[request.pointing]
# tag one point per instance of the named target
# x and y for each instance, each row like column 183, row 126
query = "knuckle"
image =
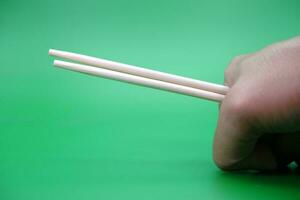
column 235, row 63
column 227, row 73
column 238, row 105
column 242, row 107
column 234, row 59
column 237, row 59
column 232, row 64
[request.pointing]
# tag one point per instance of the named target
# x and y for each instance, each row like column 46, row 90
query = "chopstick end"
column 51, row 52
column 57, row 63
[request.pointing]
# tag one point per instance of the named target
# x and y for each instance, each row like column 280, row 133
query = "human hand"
column 259, row 120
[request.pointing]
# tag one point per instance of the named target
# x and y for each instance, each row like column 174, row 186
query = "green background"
column 65, row 135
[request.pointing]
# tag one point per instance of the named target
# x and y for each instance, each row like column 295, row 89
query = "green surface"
column 65, row 135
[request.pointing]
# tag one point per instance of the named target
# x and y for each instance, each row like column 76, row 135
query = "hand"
column 259, row 121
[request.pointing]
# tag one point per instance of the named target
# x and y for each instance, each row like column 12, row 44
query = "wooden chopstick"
column 138, row 71
column 139, row 80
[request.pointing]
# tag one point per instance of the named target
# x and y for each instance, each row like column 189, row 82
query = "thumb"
column 236, row 143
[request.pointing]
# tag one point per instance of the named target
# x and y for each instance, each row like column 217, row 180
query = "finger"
column 236, row 144
column 230, row 72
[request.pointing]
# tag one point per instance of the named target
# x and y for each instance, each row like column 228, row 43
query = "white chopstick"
column 140, row 80
column 138, row 71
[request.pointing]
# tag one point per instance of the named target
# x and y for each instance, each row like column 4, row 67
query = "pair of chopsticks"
column 140, row 76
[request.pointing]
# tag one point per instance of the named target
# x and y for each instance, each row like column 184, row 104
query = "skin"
column 259, row 120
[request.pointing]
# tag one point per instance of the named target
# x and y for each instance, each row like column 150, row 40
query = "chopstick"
column 138, row 71
column 140, row 80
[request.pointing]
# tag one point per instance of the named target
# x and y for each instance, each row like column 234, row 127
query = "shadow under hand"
column 282, row 184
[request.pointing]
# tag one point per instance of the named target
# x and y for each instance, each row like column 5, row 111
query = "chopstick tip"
column 56, row 62
column 51, row 52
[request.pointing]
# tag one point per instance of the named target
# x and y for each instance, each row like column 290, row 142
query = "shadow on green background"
column 66, row 135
